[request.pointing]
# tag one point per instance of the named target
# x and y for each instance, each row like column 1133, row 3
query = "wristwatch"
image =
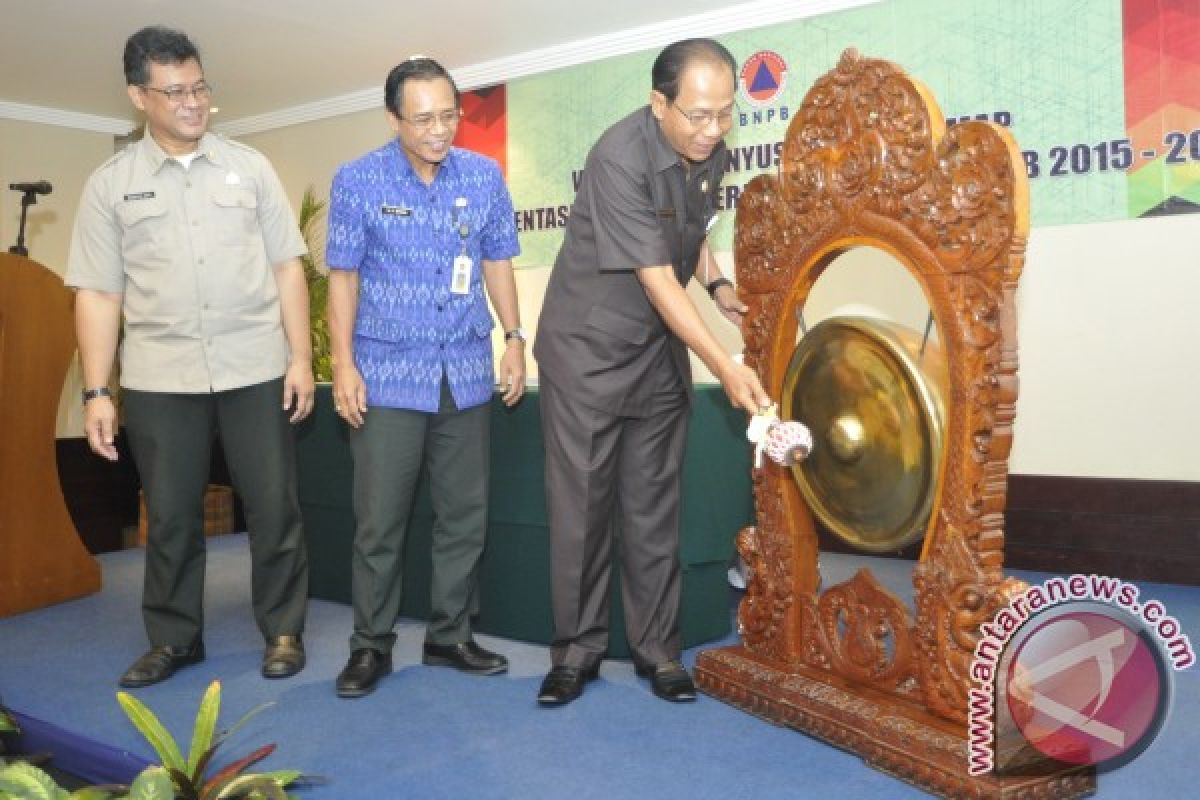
column 516, row 333
column 89, row 394
column 717, row 284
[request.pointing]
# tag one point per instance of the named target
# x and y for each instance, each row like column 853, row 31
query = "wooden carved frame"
column 868, row 161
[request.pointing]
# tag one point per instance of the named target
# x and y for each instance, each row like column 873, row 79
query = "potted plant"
column 317, row 276
column 176, row 777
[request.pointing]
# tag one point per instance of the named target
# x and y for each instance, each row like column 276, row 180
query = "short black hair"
column 416, row 68
column 675, row 58
column 158, row 44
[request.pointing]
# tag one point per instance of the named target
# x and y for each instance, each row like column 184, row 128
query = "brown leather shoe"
column 159, row 663
column 283, row 657
column 670, row 681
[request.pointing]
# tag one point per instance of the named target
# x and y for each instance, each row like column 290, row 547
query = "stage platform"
column 435, row 733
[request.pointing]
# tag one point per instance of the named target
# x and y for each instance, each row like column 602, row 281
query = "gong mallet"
column 786, row 442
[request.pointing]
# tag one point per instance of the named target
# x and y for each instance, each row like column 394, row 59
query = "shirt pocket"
column 235, row 215
column 627, row 329
column 144, row 230
column 398, row 234
column 482, row 324
column 616, row 341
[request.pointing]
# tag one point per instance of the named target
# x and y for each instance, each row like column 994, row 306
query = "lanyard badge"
column 460, row 276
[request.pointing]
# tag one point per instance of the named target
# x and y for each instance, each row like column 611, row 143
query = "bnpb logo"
column 762, row 78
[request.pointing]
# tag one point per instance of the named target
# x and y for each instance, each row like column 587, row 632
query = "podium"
column 42, row 560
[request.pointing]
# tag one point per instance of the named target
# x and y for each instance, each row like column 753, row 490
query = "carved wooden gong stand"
column 868, row 161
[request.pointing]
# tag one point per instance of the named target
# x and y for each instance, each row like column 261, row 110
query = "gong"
column 871, row 392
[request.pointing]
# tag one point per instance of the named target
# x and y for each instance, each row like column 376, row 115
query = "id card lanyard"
column 460, row 277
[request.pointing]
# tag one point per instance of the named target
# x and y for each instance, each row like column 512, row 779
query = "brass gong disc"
column 876, row 415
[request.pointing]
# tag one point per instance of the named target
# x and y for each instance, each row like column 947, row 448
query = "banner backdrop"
column 1103, row 97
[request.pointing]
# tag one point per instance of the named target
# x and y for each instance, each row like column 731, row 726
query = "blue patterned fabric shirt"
column 403, row 236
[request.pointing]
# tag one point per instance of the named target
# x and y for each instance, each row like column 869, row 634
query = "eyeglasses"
column 201, row 93
column 424, row 122
column 702, row 119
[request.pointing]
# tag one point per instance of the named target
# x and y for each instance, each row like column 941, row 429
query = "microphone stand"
column 28, row 199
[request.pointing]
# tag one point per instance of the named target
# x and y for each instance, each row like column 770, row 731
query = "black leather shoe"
column 283, row 657
column 564, row 684
column 159, row 663
column 362, row 672
column 468, row 657
column 670, row 681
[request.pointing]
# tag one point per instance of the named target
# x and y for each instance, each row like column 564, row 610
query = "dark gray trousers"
column 171, row 439
column 388, row 452
column 605, row 472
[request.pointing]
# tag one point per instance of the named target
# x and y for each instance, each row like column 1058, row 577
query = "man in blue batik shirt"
column 417, row 230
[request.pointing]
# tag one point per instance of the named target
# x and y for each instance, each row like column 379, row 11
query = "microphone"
column 39, row 187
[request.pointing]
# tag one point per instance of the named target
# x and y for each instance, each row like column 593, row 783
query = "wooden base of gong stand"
column 908, row 743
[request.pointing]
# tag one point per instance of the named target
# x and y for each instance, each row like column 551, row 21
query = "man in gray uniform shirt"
column 615, row 378
column 190, row 238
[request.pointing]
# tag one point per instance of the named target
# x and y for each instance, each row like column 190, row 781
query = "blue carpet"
column 436, row 733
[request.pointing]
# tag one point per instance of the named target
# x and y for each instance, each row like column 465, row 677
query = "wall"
column 1103, row 315
column 1104, row 312
column 1105, row 328
column 309, row 155
column 1108, row 344
column 1105, row 309
column 1107, row 337
column 65, row 157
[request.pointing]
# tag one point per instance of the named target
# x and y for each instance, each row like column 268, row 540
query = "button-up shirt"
column 192, row 251
column 403, row 236
column 599, row 338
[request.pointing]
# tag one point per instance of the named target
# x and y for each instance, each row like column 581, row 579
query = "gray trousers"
column 171, row 439
column 388, row 452
column 604, row 473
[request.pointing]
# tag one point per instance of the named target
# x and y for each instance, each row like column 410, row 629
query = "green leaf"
column 153, row 784
column 27, row 782
column 184, row 788
column 236, row 768
column 254, row 712
column 206, row 723
column 318, row 286
column 90, row 793
column 7, row 723
column 202, row 764
column 259, row 786
column 283, row 777
column 148, row 725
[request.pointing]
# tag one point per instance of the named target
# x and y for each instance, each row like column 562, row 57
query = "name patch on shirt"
column 139, row 196
column 396, row 211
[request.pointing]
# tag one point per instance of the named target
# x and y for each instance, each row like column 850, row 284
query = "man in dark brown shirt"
column 615, row 378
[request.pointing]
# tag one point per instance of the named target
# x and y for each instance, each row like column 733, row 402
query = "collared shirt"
column 192, row 252
column 403, row 236
column 599, row 338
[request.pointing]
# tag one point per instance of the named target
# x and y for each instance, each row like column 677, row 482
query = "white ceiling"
column 60, row 60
